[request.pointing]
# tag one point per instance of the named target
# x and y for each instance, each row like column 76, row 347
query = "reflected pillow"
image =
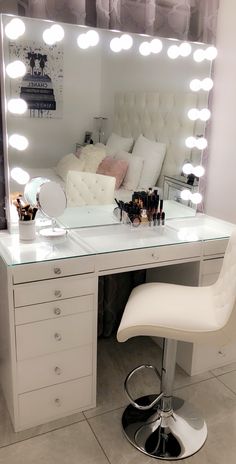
column 116, row 143
column 92, row 155
column 153, row 154
column 68, row 163
column 113, row 167
column 135, row 167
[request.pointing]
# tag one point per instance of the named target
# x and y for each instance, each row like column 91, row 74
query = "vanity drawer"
column 50, row 403
column 215, row 247
column 53, row 309
column 53, row 269
column 54, row 335
column 147, row 256
column 51, row 290
column 55, row 368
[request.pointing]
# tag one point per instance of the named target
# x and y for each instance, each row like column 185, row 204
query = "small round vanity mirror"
column 32, row 187
column 51, row 199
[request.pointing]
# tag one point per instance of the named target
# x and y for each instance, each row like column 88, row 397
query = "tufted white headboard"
column 158, row 116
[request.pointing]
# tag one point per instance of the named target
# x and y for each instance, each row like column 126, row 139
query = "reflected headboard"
column 158, row 116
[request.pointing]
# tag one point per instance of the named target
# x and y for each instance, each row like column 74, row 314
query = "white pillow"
column 153, row 154
column 133, row 174
column 68, row 163
column 117, row 143
column 92, row 155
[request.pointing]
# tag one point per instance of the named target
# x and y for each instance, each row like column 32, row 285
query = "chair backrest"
column 224, row 289
column 88, row 188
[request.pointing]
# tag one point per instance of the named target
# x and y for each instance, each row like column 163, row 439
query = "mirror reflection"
column 104, row 114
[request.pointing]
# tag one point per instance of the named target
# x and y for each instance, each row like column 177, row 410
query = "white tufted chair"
column 88, row 188
column 163, row 426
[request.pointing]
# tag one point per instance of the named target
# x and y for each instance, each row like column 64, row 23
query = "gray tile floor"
column 95, row 437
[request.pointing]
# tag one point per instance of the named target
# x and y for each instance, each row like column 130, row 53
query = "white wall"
column 220, row 198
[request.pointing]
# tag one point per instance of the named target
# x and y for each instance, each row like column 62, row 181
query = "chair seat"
column 170, row 311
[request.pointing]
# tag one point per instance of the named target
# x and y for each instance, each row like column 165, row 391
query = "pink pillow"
column 113, row 167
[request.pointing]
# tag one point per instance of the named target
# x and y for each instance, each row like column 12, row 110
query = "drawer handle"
column 57, row 270
column 57, row 370
column 57, row 311
column 155, row 256
column 57, row 293
column 57, row 401
column 58, row 337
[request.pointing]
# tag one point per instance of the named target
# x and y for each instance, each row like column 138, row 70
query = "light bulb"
column 199, row 55
column 20, row 142
column 185, row 194
column 187, row 168
column 145, row 48
column 20, row 176
column 126, row 41
column 58, row 32
column 93, row 38
column 156, row 45
column 83, row 41
column 207, row 84
column 49, row 37
column 196, row 198
column 17, row 106
column 204, row 114
column 211, row 53
column 199, row 171
column 115, row 45
column 195, row 85
column 16, row 69
column 190, row 142
column 173, row 52
column 15, row 28
column 201, row 143
column 193, row 114
column 185, row 49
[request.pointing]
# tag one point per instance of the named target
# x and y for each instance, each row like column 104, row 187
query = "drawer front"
column 50, row 336
column 148, row 256
column 214, row 247
column 211, row 266
column 50, row 403
column 54, row 309
column 53, row 269
column 55, row 368
column 51, row 290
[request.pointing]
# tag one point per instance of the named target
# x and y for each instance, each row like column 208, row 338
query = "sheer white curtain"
column 71, row 11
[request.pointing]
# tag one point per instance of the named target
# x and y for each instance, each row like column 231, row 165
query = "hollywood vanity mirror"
column 147, row 99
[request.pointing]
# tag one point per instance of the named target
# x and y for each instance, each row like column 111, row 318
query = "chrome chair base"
column 182, row 433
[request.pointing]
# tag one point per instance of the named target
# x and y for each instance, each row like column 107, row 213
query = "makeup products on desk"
column 26, row 215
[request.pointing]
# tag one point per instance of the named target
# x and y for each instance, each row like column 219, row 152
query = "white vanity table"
column 48, row 313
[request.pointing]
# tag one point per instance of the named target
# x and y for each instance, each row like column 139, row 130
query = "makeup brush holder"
column 27, row 230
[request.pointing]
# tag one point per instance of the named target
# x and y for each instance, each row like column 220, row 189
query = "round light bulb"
column 83, row 41
column 17, row 106
column 93, row 38
column 16, row 69
column 199, row 55
column 126, row 41
column 115, row 45
column 204, row 114
column 58, row 32
column 49, row 37
column 193, row 114
column 196, row 198
column 185, row 49
column 199, row 171
column 187, row 168
column 145, row 48
column 20, row 142
column 201, row 143
column 207, row 84
column 20, row 176
column 173, row 52
column 15, row 28
column 195, row 85
column 156, row 45
column 185, row 194
column 211, row 53
column 190, row 142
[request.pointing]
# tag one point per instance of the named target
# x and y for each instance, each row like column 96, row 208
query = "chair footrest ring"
column 132, row 401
